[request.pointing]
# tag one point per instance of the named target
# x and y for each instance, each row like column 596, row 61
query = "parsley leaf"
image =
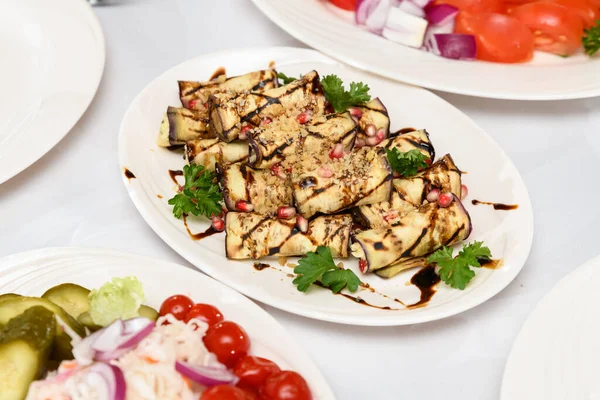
column 408, row 163
column 591, row 39
column 285, row 79
column 319, row 266
column 200, row 194
column 339, row 98
column 456, row 271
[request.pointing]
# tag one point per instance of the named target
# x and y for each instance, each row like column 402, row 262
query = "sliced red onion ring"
column 411, row 8
column 405, row 28
column 364, row 8
column 378, row 16
column 207, row 376
column 84, row 351
column 441, row 14
column 429, row 42
column 107, row 380
column 453, row 45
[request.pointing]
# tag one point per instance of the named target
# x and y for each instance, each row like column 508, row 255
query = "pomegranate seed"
column 218, row 224
column 390, row 215
column 433, row 195
column 244, row 206
column 284, row 212
column 428, row 161
column 380, row 135
column 302, row 223
column 192, row 103
column 445, row 199
column 278, row 171
column 337, row 151
column 206, row 105
column 325, row 172
column 245, row 128
column 302, row 118
column 371, row 130
column 373, row 141
column 464, row 192
column 355, row 112
column 363, row 266
column 267, row 121
column 360, row 143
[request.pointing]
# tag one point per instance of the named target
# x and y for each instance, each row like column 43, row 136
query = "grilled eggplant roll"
column 362, row 177
column 285, row 137
column 373, row 113
column 419, row 233
column 401, row 265
column 208, row 152
column 195, row 95
column 261, row 188
column 228, row 112
column 251, row 235
column 180, row 125
column 418, row 139
column 411, row 193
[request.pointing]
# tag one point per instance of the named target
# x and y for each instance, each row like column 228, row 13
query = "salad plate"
column 33, row 273
column 553, row 356
column 333, row 31
column 150, row 172
column 56, row 63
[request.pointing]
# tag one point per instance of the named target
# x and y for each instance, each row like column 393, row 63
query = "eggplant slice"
column 208, row 152
column 410, row 193
column 228, row 112
column 180, row 125
column 265, row 191
column 285, row 139
column 419, row 233
column 251, row 235
column 198, row 92
column 376, row 114
column 401, row 265
column 362, row 177
column 418, row 139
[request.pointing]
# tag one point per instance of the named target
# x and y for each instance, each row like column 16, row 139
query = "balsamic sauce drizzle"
column 128, row 174
column 497, row 206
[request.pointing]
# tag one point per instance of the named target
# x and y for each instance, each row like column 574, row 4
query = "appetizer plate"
column 490, row 176
column 555, row 355
column 332, row 31
column 56, row 61
column 32, row 273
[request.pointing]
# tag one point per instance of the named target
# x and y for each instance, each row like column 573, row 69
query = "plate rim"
column 31, row 158
column 406, row 79
column 164, row 232
column 66, row 252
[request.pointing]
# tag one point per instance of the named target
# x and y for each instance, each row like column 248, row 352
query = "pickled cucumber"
column 8, row 296
column 70, row 297
column 148, row 312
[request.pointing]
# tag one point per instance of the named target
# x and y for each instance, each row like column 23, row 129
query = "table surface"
column 74, row 196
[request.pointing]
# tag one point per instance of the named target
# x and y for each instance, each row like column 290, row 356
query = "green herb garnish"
column 200, row 194
column 407, row 163
column 320, row 266
column 285, row 79
column 339, row 98
column 456, row 271
column 591, row 39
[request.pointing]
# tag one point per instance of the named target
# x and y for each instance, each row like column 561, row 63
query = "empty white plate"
column 555, row 356
column 52, row 63
column 491, row 176
column 332, row 31
column 33, row 272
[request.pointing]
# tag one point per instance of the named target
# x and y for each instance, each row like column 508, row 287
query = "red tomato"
column 588, row 13
column 178, row 305
column 253, row 371
column 345, row 4
column 285, row 385
column 207, row 313
column 499, row 38
column 556, row 28
column 475, row 6
column 227, row 392
column 228, row 341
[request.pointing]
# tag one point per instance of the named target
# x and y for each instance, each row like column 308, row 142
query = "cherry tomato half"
column 178, row 305
column 285, row 385
column 500, row 38
column 228, row 341
column 253, row 371
column 205, row 312
column 349, row 5
column 587, row 12
column 475, row 6
column 557, row 29
column 227, row 392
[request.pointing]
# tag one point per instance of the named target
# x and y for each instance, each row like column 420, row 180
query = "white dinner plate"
column 32, row 273
column 52, row 62
column 332, row 31
column 491, row 176
column 555, row 356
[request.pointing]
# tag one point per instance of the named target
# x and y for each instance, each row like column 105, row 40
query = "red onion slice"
column 432, row 30
column 135, row 330
column 378, row 16
column 454, row 45
column 364, row 8
column 404, row 28
column 441, row 14
column 107, row 380
column 420, row 3
column 411, row 8
column 207, row 376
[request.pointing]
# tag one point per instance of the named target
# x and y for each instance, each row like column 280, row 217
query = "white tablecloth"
column 74, row 196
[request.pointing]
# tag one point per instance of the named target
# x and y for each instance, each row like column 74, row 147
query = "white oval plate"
column 332, row 31
column 32, row 273
column 555, row 356
column 491, row 176
column 56, row 61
